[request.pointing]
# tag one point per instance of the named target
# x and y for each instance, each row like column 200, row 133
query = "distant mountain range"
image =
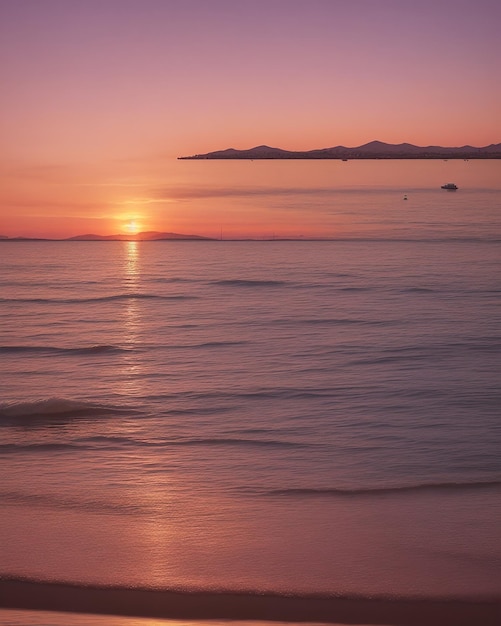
column 372, row 150
column 147, row 236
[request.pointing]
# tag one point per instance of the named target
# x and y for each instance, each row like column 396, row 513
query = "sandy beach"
column 49, row 596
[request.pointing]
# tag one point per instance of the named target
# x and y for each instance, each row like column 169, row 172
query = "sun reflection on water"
column 131, row 283
column 132, row 320
column 131, row 264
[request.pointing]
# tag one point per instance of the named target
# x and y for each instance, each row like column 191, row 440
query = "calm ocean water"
column 259, row 416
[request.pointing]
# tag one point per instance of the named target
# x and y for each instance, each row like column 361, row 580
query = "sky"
column 99, row 97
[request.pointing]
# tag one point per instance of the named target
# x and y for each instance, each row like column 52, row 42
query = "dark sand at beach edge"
column 209, row 605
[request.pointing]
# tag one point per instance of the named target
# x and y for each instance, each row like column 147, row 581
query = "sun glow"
column 132, row 227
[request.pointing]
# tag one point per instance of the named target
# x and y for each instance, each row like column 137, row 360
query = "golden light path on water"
column 131, row 318
column 156, row 531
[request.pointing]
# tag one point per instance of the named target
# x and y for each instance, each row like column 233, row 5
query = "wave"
column 118, row 296
column 363, row 491
column 203, row 441
column 49, row 501
column 331, row 321
column 111, row 349
column 285, row 393
column 5, row 448
column 110, row 442
column 417, row 290
column 219, row 344
column 237, row 441
column 31, row 594
column 97, row 349
column 340, row 321
column 59, row 408
column 240, row 282
column 199, row 346
column 174, row 279
column 138, row 296
column 489, row 345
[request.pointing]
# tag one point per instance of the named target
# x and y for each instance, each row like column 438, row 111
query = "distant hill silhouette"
column 371, row 150
column 147, row 236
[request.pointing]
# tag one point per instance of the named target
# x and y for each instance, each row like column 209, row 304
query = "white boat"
column 449, row 187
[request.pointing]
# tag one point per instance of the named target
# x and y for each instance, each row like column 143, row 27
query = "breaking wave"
column 442, row 486
column 59, row 407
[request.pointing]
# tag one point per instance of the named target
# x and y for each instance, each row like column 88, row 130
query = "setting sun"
column 132, row 227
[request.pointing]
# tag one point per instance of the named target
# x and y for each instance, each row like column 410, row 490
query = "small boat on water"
column 449, row 186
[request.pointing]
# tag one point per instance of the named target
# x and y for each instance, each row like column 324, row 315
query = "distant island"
column 146, row 236
column 372, row 150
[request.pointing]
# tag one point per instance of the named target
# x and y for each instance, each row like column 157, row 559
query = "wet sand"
column 25, row 594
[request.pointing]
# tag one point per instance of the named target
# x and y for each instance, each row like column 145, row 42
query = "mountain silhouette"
column 371, row 150
column 145, row 236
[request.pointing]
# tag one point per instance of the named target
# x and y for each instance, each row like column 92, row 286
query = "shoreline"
column 440, row 157
column 29, row 594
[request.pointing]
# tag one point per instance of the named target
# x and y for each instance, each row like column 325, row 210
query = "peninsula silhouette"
column 372, row 150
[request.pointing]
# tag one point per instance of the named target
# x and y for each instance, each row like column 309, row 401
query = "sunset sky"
column 99, row 97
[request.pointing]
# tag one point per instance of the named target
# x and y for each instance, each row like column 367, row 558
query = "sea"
column 271, row 418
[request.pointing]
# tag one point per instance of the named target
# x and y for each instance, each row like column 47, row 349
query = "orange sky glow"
column 99, row 98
